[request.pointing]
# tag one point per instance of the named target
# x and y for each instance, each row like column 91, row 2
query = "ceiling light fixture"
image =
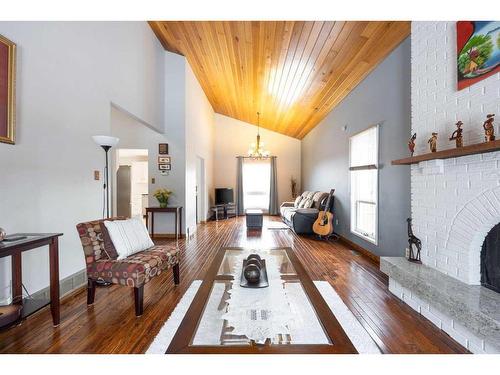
column 256, row 150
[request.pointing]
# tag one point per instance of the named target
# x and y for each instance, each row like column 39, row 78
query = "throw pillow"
column 297, row 201
column 302, row 203
column 309, row 203
column 128, row 236
column 109, row 248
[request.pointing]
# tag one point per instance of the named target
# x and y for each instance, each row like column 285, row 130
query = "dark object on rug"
column 413, row 240
column 9, row 314
column 254, row 272
column 254, row 219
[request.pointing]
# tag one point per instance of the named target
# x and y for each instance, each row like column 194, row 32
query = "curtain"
column 273, row 196
column 239, row 186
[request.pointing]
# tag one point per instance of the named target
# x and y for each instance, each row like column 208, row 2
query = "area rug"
column 352, row 327
column 276, row 225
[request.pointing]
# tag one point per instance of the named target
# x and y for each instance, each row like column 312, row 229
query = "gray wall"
column 383, row 97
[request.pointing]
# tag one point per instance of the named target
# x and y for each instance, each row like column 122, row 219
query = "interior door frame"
column 201, row 193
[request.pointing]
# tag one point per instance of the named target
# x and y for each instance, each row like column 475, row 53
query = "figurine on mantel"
column 489, row 129
column 457, row 135
column 433, row 142
column 413, row 241
column 411, row 143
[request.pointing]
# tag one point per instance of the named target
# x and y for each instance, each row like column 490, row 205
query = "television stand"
column 224, row 211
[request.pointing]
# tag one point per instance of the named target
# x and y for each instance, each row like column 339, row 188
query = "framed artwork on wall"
column 164, row 167
column 7, row 90
column 478, row 51
column 163, row 148
column 164, row 159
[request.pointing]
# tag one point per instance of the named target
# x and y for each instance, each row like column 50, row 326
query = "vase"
column 163, row 204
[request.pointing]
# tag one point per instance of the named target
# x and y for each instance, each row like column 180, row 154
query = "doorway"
column 200, row 190
column 131, row 182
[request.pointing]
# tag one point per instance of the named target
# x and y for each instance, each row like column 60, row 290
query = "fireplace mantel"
column 478, row 148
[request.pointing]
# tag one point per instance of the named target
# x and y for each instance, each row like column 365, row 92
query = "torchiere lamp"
column 106, row 142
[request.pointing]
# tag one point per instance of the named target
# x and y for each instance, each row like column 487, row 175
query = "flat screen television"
column 224, row 196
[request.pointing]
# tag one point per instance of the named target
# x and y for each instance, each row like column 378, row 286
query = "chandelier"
column 256, row 150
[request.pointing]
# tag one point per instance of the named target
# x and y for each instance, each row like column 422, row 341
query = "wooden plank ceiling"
column 292, row 72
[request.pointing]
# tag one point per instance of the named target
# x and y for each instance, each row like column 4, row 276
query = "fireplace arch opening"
column 490, row 260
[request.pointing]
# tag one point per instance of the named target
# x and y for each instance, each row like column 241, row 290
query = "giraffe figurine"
column 413, row 241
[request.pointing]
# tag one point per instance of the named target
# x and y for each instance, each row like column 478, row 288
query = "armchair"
column 134, row 271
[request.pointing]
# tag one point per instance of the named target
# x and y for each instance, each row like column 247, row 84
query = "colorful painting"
column 478, row 51
column 7, row 90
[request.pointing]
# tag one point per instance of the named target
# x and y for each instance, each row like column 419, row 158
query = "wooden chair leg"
column 176, row 271
column 90, row 291
column 139, row 299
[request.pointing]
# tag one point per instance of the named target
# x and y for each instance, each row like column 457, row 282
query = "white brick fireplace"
column 454, row 202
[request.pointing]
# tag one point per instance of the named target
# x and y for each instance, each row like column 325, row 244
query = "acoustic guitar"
column 323, row 226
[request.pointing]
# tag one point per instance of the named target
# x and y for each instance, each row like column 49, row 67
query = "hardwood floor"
column 110, row 325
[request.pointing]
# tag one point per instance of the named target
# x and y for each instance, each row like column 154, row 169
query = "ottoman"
column 254, row 219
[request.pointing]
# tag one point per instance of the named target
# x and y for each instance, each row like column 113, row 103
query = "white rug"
column 276, row 225
column 352, row 327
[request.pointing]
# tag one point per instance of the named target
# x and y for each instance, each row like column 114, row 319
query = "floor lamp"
column 106, row 142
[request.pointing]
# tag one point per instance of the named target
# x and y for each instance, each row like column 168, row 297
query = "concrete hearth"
column 468, row 313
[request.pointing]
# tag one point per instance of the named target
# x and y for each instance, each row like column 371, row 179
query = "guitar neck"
column 327, row 206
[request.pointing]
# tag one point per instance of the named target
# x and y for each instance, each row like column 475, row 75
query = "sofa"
column 301, row 214
column 134, row 271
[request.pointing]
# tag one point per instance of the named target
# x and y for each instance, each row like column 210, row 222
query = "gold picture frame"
column 8, row 98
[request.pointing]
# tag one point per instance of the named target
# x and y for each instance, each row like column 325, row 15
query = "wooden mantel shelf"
column 479, row 148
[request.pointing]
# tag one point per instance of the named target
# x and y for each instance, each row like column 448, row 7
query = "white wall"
column 68, row 74
column 383, row 98
column 78, row 79
column 200, row 131
column 136, row 135
column 233, row 137
column 453, row 208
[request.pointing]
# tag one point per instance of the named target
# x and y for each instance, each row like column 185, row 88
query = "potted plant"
column 162, row 195
column 293, row 186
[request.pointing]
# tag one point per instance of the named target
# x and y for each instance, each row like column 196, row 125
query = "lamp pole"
column 106, row 142
column 106, row 179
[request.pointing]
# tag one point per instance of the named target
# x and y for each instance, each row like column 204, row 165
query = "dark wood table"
column 177, row 210
column 15, row 249
column 221, row 271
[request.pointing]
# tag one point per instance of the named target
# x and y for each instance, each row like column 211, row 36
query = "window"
column 256, row 183
column 364, row 184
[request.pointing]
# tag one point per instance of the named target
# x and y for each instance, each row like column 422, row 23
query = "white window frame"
column 365, row 167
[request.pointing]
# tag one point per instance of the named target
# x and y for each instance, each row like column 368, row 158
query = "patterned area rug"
column 352, row 327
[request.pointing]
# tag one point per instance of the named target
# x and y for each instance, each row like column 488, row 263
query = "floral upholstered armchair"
column 134, row 271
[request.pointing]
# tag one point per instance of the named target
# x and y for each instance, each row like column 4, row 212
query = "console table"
column 15, row 249
column 177, row 210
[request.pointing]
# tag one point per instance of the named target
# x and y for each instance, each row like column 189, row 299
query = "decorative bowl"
column 252, row 273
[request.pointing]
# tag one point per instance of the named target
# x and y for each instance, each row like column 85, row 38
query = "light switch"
column 153, row 180
column 97, row 175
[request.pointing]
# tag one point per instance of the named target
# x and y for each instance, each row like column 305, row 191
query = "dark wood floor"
column 110, row 326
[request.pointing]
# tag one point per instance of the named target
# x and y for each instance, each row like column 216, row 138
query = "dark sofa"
column 301, row 214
